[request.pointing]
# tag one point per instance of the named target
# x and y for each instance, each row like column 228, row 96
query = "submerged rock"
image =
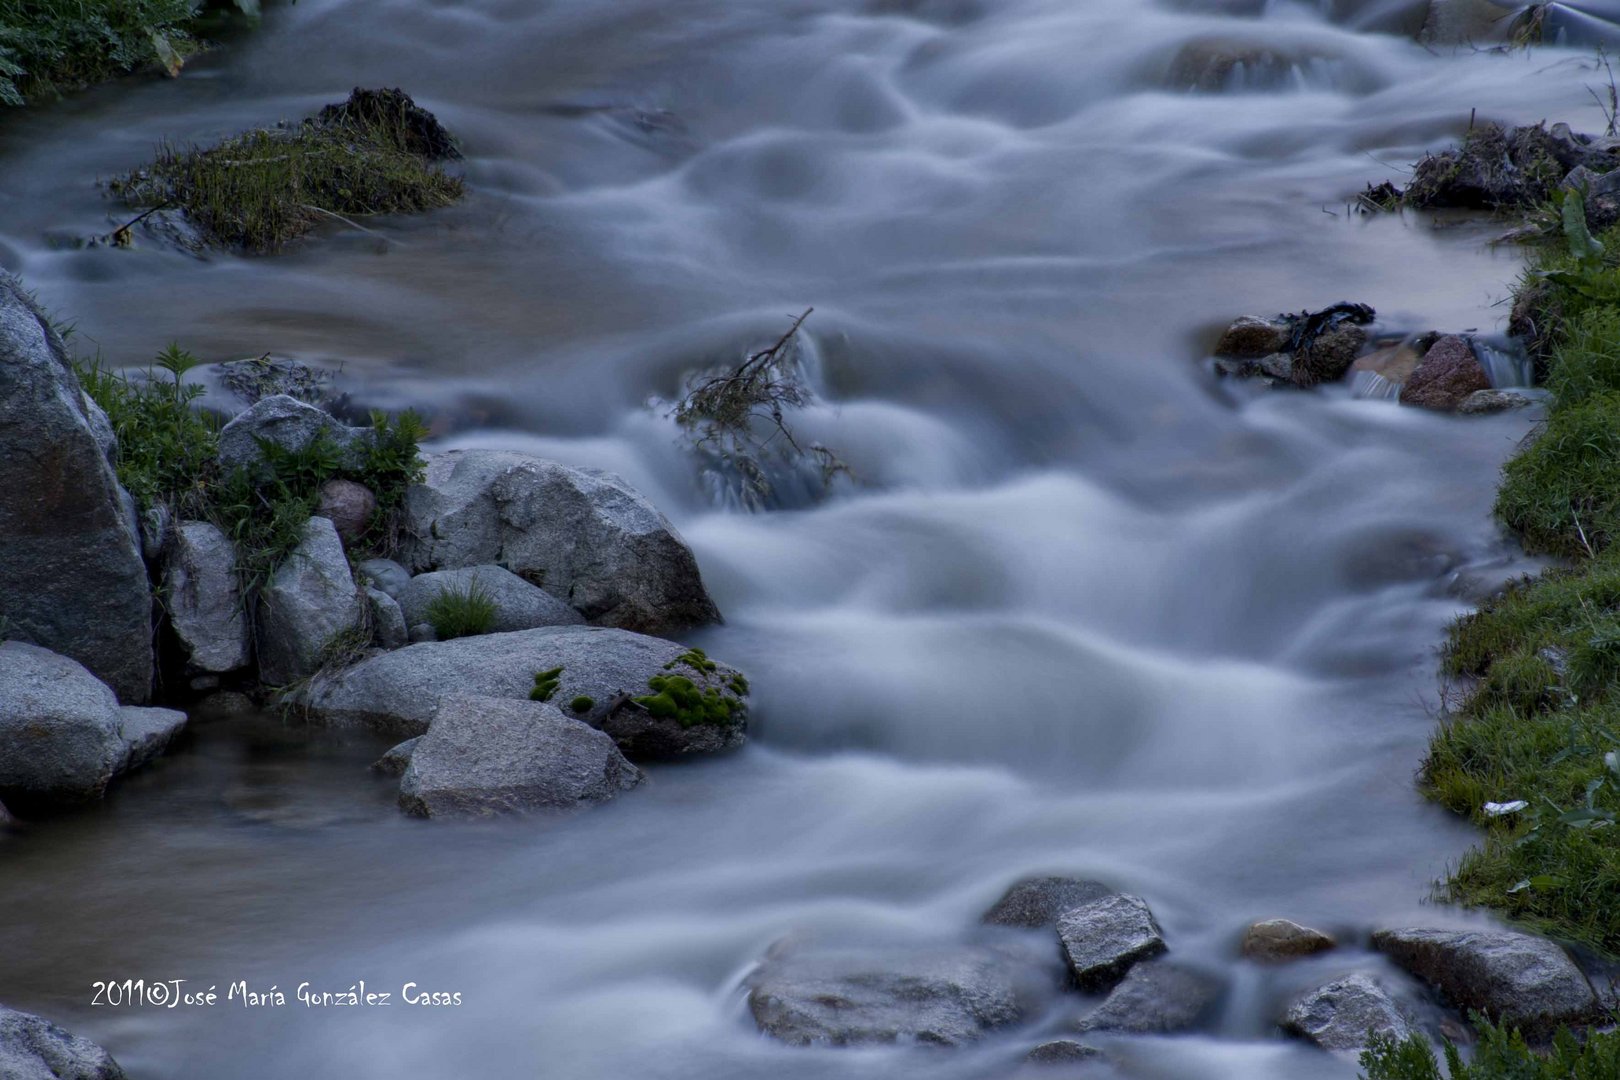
column 1102, row 939
column 944, row 996
column 597, row 674
column 63, row 735
column 1156, row 997
column 1482, row 402
column 1280, row 939
column 33, row 1048
column 73, row 578
column 260, row 377
column 1062, row 1052
column 1037, row 902
column 1447, row 376
column 1250, row 337
column 518, row 605
column 1347, row 1013
column 308, row 604
column 204, row 599
column 584, row 536
column 1516, row 979
column 485, row 756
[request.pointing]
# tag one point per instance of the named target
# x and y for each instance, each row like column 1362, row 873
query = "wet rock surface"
column 1282, row 939
column 1448, row 375
column 1037, row 902
column 1102, row 939
column 1156, row 997
column 1347, row 1013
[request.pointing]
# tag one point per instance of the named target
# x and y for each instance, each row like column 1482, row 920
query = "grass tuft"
column 462, row 612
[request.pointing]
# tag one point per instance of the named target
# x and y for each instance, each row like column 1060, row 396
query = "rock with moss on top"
column 593, row 674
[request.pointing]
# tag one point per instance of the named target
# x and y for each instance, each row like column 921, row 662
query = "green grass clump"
column 545, row 685
column 261, row 190
column 48, row 47
column 1502, row 1054
column 675, row 697
column 462, row 612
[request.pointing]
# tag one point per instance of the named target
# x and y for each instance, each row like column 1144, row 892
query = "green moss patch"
column 678, row 698
column 582, row 704
column 377, row 153
column 545, row 684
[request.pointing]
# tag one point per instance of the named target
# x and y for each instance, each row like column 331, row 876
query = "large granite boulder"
column 1103, row 939
column 1516, row 979
column 33, row 1048
column 584, row 536
column 942, row 996
column 309, row 602
column 518, row 605
column 596, row 674
column 63, row 735
column 72, row 579
column 1037, row 902
column 1347, row 1013
column 486, row 756
column 290, row 424
column 203, row 597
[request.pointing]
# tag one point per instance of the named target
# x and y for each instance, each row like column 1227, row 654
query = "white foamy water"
column 1088, row 610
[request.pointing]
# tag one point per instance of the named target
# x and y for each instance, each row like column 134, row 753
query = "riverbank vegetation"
column 377, row 153
column 52, row 47
column 1532, row 752
column 1500, row 1055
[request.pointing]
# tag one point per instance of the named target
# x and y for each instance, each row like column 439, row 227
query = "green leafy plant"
column 48, row 47
column 462, row 612
column 1502, row 1054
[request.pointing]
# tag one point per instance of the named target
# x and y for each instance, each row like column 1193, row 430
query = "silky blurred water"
column 1086, row 610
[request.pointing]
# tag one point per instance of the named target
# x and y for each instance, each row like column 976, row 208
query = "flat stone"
column 1347, row 1013
column 1481, row 402
column 485, row 756
column 1062, row 1052
column 1103, row 939
column 1035, row 903
column 1156, row 997
column 1516, row 979
column 1280, row 939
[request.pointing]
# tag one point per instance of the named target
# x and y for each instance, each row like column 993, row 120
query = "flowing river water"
column 1088, row 609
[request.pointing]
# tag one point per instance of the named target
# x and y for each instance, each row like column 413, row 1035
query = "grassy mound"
column 1542, row 724
column 261, row 190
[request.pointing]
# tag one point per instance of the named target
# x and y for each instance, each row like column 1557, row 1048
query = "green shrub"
column 462, row 612
column 1501, row 1055
column 51, row 46
column 261, row 190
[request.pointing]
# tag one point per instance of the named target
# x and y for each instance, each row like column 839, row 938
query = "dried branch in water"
column 725, row 413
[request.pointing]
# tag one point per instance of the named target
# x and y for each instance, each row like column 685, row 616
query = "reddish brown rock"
column 1250, row 337
column 1448, row 374
column 348, row 506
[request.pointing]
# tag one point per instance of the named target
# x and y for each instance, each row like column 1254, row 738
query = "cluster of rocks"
column 1496, row 168
column 565, row 683
column 1440, row 372
column 1113, row 974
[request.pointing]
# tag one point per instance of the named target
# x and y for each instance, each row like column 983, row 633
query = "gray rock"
column 73, row 578
column 1251, row 337
column 290, row 424
column 1035, row 903
column 204, row 599
column 397, row 693
column 1278, row 365
column 1102, row 939
column 1524, row 981
column 1461, row 22
column 224, row 703
column 387, row 621
column 1281, row 939
column 485, row 756
column 518, row 605
column 423, row 632
column 260, row 377
column 385, row 574
column 157, row 528
column 1156, row 998
column 1062, row 1052
column 309, row 601
column 147, row 733
column 398, row 757
column 1481, row 402
column 61, row 735
column 944, row 996
column 6, row 820
column 584, row 536
column 1345, row 1014
column 32, row 1048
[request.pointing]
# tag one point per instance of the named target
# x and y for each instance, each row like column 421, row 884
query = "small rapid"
column 1084, row 608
